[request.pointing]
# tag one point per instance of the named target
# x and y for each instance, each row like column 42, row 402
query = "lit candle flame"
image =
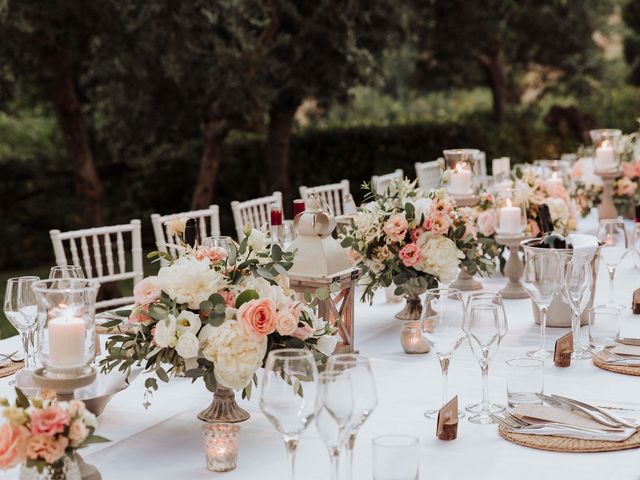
column 606, row 144
column 458, row 168
column 508, row 203
column 554, row 176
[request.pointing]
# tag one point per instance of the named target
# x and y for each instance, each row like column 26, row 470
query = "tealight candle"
column 221, row 446
column 460, row 183
column 411, row 338
column 510, row 219
column 605, row 158
column 66, row 340
column 554, row 180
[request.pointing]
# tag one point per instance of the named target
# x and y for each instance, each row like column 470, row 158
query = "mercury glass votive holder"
column 412, row 339
column 221, row 446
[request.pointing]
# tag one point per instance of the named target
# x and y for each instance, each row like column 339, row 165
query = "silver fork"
column 529, row 427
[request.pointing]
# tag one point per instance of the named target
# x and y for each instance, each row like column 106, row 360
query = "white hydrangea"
column 441, row 257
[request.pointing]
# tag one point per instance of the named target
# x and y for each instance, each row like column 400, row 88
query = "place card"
column 447, row 425
column 562, row 352
column 635, row 304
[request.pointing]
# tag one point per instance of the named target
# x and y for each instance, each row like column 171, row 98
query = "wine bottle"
column 277, row 226
column 191, row 236
column 550, row 238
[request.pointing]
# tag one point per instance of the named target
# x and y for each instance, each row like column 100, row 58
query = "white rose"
column 423, row 207
column 235, row 355
column 257, row 240
column 165, row 332
column 327, row 344
column 78, row 432
column 188, row 322
column 190, row 281
column 187, row 345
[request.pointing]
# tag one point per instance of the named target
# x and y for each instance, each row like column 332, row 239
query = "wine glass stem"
column 575, row 329
column 334, row 453
column 543, row 329
column 25, row 336
column 444, row 365
column 351, row 442
column 291, row 444
column 612, row 274
column 485, row 387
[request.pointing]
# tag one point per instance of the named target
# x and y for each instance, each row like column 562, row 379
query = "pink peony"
column 139, row 316
column 78, row 433
column 48, row 448
column 147, row 291
column 214, row 254
column 229, row 298
column 49, row 421
column 396, row 227
column 410, row 254
column 441, row 224
column 303, row 332
column 12, row 444
column 258, row 317
column 287, row 321
column 486, row 223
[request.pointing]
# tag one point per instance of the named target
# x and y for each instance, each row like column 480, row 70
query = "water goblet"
column 442, row 318
column 615, row 243
column 20, row 308
column 288, row 394
column 577, row 290
column 66, row 271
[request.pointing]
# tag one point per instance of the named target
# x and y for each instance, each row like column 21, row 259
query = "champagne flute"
column 577, row 289
column 542, row 278
column 490, row 300
column 20, row 308
column 288, row 394
column 334, row 413
column 615, row 243
column 66, row 271
column 364, row 395
column 483, row 332
column 442, row 318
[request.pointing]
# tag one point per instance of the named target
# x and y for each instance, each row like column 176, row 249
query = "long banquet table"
column 165, row 442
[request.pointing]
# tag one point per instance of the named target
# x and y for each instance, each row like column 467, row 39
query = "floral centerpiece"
column 215, row 314
column 414, row 241
column 45, row 435
column 533, row 191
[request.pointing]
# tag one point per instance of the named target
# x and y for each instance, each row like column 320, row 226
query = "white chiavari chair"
column 208, row 226
column 334, row 194
column 429, row 175
column 102, row 254
column 254, row 212
column 379, row 183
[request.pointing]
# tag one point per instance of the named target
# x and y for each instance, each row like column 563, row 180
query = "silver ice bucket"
column 559, row 312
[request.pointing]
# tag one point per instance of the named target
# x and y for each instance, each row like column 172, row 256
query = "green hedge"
column 39, row 193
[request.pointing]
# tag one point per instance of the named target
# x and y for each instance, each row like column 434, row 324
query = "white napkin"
column 582, row 243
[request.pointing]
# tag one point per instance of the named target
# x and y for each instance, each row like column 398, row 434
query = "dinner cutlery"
column 635, row 342
column 527, row 427
column 612, row 417
column 565, row 404
column 14, row 357
column 611, row 358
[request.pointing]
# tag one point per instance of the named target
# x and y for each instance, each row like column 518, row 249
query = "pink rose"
column 78, row 433
column 353, row 255
column 49, row 421
column 441, row 224
column 48, row 448
column 427, row 224
column 415, row 233
column 287, row 321
column 229, row 298
column 396, row 227
column 258, row 317
column 486, row 223
column 147, row 291
column 533, row 227
column 471, row 230
column 303, row 332
column 410, row 254
column 12, row 444
column 443, row 206
column 139, row 316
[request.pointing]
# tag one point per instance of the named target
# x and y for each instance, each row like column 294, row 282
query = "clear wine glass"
column 635, row 245
column 221, row 241
column 615, row 243
column 483, row 332
column 20, row 308
column 578, row 285
column 288, row 395
column 490, row 300
column 334, row 413
column 365, row 395
column 66, row 271
column 442, row 318
column 542, row 279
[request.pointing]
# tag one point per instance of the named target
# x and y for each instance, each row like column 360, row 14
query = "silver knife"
column 630, row 341
column 593, row 409
column 564, row 404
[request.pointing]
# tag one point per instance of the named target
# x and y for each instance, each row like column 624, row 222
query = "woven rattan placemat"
column 624, row 369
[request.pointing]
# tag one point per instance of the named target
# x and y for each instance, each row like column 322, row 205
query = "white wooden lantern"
column 321, row 262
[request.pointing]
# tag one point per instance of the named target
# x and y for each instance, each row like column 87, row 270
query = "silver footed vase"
column 223, row 408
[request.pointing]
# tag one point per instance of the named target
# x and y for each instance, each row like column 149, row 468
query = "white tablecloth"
column 164, row 442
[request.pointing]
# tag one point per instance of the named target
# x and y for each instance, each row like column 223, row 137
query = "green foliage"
column 631, row 17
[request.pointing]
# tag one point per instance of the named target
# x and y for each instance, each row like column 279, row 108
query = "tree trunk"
column 74, row 128
column 276, row 151
column 495, row 68
column 209, row 164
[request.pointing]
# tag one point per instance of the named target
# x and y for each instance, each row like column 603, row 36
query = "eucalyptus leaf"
column 246, row 296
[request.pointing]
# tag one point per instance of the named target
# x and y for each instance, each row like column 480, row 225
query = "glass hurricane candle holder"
column 66, row 326
column 411, row 338
column 510, row 215
column 221, row 446
column 605, row 144
column 463, row 166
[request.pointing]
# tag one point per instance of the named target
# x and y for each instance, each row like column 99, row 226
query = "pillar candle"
column 66, row 341
column 460, row 183
column 605, row 159
column 510, row 218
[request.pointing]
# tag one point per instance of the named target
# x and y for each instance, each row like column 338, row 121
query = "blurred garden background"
column 116, row 109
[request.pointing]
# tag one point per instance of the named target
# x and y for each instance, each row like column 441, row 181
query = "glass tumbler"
column 396, row 457
column 604, row 326
column 525, row 378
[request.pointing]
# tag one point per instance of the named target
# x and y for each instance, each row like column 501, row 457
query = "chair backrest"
column 95, row 254
column 379, row 183
column 334, row 194
column 501, row 167
column 208, row 216
column 429, row 175
column 254, row 212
